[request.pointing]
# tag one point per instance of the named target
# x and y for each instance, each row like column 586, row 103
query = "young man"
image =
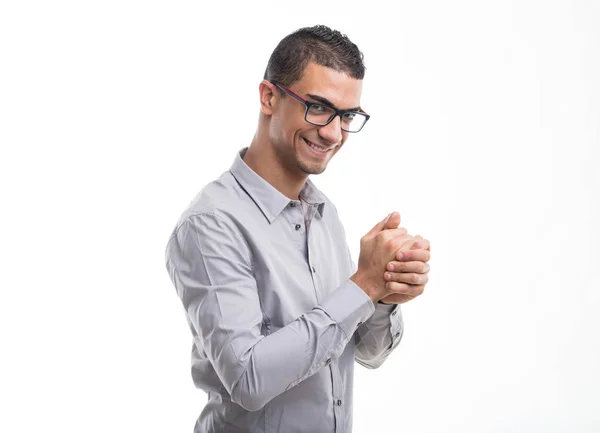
column 277, row 308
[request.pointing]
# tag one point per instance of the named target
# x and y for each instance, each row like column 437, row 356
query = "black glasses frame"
column 310, row 104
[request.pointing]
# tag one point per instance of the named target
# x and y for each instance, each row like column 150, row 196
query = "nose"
column 333, row 131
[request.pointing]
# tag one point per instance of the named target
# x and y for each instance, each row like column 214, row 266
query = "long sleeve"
column 211, row 267
column 378, row 336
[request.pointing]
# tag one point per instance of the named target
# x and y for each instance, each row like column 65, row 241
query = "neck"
column 261, row 158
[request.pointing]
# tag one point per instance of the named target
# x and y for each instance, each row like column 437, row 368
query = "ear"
column 268, row 97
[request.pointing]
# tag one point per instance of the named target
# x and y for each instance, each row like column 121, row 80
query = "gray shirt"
column 276, row 322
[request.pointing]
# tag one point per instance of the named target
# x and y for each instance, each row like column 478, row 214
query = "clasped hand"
column 403, row 277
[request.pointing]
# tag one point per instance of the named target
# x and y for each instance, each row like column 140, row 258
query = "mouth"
column 316, row 149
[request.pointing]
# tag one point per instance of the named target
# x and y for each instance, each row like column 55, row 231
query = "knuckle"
column 406, row 241
column 388, row 241
column 393, row 244
column 407, row 237
column 383, row 236
column 416, row 278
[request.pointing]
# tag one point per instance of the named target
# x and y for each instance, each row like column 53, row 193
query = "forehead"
column 339, row 88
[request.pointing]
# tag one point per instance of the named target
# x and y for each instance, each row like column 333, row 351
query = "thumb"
column 387, row 222
column 392, row 222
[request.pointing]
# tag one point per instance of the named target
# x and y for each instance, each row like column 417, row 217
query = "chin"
column 311, row 169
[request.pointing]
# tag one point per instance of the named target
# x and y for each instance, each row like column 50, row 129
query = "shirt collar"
column 270, row 200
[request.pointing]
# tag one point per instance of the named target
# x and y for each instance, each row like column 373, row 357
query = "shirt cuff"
column 349, row 306
column 389, row 307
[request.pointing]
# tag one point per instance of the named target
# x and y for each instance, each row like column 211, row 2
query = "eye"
column 349, row 117
column 318, row 109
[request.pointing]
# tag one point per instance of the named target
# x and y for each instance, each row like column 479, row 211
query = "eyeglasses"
column 320, row 114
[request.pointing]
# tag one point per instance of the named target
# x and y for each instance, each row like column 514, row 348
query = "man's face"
column 291, row 134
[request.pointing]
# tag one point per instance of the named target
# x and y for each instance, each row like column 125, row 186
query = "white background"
column 484, row 136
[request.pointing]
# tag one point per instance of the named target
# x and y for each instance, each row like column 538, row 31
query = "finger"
column 413, row 255
column 405, row 289
column 395, row 236
column 406, row 277
column 401, row 242
column 416, row 266
column 400, row 245
column 397, row 298
column 396, row 242
column 381, row 224
column 422, row 243
column 392, row 222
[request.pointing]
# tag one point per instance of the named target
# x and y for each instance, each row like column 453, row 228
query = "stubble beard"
column 308, row 168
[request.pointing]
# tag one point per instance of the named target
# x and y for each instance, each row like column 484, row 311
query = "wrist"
column 369, row 291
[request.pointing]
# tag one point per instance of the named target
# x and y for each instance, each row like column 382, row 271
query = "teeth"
column 320, row 149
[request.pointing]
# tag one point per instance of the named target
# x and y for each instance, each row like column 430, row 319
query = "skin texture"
column 407, row 272
column 278, row 152
column 280, row 155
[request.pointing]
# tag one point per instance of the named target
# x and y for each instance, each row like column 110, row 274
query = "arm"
column 210, row 265
column 378, row 336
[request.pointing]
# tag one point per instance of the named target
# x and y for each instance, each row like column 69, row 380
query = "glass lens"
column 353, row 122
column 319, row 114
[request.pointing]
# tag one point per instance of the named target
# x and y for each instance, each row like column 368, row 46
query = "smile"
column 317, row 149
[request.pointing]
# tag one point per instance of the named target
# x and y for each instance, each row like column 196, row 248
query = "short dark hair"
column 319, row 44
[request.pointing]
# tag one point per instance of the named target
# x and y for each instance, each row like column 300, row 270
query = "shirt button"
column 298, row 226
column 292, row 204
column 339, row 402
column 328, row 361
column 397, row 335
column 359, row 323
column 394, row 313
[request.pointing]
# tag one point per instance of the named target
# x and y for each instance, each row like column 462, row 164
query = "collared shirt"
column 276, row 321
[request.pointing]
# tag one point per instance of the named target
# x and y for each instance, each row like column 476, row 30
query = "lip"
column 316, row 152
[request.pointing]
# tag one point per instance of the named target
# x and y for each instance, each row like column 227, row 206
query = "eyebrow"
column 328, row 102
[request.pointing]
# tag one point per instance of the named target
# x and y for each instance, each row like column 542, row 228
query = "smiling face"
column 291, row 136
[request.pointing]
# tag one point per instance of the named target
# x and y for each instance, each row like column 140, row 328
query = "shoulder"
column 216, row 201
column 213, row 215
column 208, row 231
